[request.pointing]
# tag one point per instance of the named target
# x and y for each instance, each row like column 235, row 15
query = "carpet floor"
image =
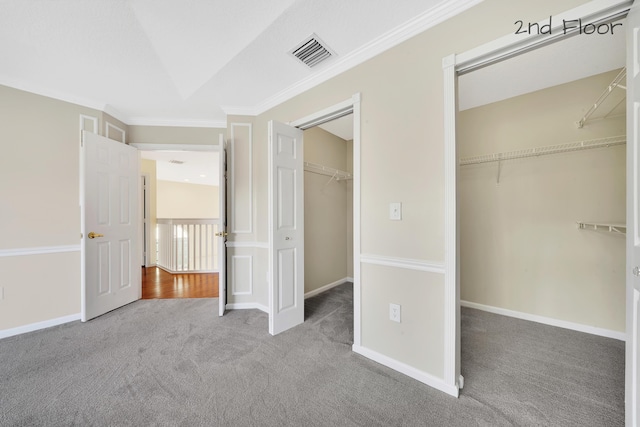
column 176, row 363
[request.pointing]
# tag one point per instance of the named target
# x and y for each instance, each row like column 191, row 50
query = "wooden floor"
column 157, row 283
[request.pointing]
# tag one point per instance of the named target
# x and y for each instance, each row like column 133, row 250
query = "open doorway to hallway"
column 182, row 207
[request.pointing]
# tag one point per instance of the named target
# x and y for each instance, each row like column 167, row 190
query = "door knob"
column 93, row 235
column 222, row 234
column 636, row 271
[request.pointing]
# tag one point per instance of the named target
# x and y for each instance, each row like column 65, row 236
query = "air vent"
column 312, row 51
column 176, row 162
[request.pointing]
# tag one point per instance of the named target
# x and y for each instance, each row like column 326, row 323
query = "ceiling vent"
column 312, row 51
column 176, row 162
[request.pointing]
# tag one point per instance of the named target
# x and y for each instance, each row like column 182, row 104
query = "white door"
column 109, row 209
column 286, row 227
column 632, row 405
column 222, row 232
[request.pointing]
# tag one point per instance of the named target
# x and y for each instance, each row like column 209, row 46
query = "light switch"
column 395, row 211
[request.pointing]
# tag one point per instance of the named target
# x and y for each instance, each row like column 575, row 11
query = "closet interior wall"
column 521, row 249
column 328, row 212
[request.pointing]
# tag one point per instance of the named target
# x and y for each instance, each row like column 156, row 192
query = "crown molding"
column 48, row 93
column 108, row 109
column 192, row 123
column 411, row 28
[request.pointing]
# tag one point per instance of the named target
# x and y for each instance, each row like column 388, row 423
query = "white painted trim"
column 6, row 333
column 145, row 229
column 622, row 336
column 415, row 26
column 357, row 231
column 325, row 288
column 255, row 245
column 452, row 355
column 108, row 109
column 247, row 306
column 101, row 106
column 144, row 146
column 232, row 179
column 406, row 263
column 191, row 123
column 234, row 275
column 96, row 127
column 109, row 126
column 41, row 250
column 405, row 369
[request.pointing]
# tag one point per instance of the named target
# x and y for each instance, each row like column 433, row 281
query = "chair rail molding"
column 40, row 250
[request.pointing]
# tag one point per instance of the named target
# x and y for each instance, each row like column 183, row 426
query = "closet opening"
column 328, row 214
column 531, row 169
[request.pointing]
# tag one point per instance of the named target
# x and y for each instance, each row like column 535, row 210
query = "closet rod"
column 615, row 83
column 336, row 174
column 550, row 149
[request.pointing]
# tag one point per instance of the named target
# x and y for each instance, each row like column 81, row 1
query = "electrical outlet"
column 394, row 312
column 395, row 211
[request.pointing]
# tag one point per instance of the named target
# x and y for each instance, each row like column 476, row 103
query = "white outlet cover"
column 394, row 312
column 395, row 211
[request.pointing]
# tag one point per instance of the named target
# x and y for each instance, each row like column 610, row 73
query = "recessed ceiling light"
column 176, row 162
column 186, row 179
column 203, row 175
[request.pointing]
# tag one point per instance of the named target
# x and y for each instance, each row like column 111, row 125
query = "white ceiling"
column 199, row 167
column 190, row 62
column 182, row 61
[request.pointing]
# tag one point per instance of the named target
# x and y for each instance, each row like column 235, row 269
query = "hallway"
column 159, row 284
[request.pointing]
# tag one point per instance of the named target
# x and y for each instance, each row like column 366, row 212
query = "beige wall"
column 520, row 247
column 181, row 200
column 39, row 206
column 148, row 168
column 326, row 235
column 173, row 135
column 401, row 161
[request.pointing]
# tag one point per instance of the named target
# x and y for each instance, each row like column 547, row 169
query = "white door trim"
column 456, row 64
column 351, row 105
column 146, row 226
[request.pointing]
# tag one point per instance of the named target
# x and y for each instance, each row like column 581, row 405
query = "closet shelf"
column 541, row 151
column 336, row 174
column 616, row 83
column 596, row 226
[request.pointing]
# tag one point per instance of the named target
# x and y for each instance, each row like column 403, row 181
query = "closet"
column 542, row 204
column 328, row 204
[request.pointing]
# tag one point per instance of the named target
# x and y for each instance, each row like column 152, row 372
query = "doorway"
column 288, row 135
column 454, row 66
column 183, row 207
column 328, row 205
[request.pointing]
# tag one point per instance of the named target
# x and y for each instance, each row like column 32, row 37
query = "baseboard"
column 547, row 321
column 6, row 333
column 325, row 288
column 407, row 370
column 247, row 306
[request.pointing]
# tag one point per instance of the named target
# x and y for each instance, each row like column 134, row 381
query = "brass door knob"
column 93, row 235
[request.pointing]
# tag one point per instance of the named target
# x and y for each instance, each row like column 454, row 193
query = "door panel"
column 109, row 208
column 632, row 406
column 222, row 237
column 286, row 227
